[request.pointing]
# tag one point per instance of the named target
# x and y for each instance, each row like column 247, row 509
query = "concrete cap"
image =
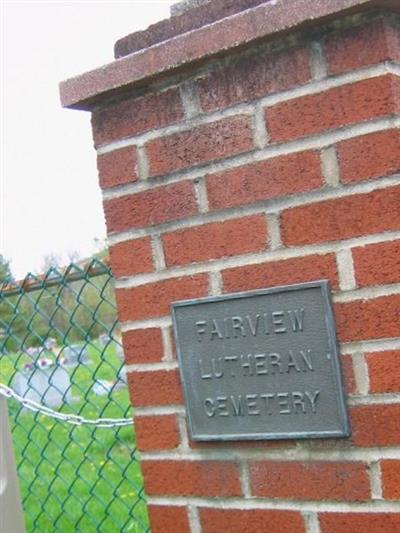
column 192, row 15
column 266, row 20
column 181, row 7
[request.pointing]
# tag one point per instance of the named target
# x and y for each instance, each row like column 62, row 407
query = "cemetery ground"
column 79, row 478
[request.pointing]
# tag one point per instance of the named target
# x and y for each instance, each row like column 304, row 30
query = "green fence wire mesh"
column 60, row 348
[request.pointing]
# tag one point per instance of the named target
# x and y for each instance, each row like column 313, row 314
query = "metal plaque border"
column 324, row 286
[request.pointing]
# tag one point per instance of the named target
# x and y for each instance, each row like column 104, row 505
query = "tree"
column 6, row 303
column 5, row 270
column 51, row 260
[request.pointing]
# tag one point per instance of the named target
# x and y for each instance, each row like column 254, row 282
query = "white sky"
column 50, row 199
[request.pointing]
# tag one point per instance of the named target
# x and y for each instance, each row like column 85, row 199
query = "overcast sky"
column 50, row 199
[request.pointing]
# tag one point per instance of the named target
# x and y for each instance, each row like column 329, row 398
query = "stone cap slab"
column 184, row 5
column 192, row 18
column 185, row 50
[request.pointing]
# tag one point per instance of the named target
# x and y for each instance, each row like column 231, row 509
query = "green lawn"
column 79, row 478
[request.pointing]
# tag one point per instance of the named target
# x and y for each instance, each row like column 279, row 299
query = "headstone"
column 33, row 352
column 49, row 386
column 119, row 351
column 102, row 387
column 50, row 344
column 74, row 355
column 104, row 339
column 122, row 376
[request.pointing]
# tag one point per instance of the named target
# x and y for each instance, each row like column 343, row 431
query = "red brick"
column 342, row 218
column 153, row 299
column 251, row 521
column 219, row 239
column 143, row 346
column 154, row 206
column 263, row 180
column 375, row 425
column 156, row 432
column 136, row 115
column 334, row 108
column 128, row 258
column 384, row 371
column 252, row 77
column 361, row 46
column 348, row 373
column 314, row 480
column 158, row 387
column 191, row 478
column 390, row 469
column 359, row 522
column 369, row 156
column 168, row 519
column 117, row 167
column 287, row 271
column 368, row 319
column 200, row 145
column 377, row 264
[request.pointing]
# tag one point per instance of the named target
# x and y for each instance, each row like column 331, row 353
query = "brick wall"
column 274, row 165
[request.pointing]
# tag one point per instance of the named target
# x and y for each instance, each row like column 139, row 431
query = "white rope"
column 76, row 420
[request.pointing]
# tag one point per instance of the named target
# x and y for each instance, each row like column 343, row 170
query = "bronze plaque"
column 261, row 365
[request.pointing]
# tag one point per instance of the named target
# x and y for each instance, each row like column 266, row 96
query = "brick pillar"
column 248, row 151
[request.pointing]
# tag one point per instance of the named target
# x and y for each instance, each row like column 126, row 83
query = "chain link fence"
column 61, row 366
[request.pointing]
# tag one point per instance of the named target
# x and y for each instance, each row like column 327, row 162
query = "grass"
column 79, row 478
